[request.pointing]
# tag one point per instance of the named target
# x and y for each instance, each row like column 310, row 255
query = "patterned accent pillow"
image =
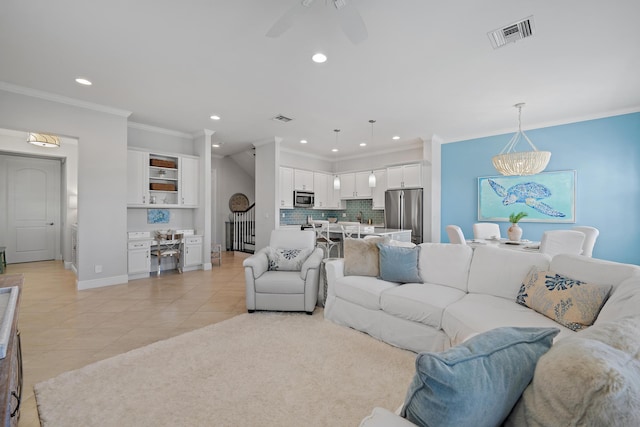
column 572, row 303
column 282, row 259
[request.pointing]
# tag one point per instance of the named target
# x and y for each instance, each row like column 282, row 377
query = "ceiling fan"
column 350, row 20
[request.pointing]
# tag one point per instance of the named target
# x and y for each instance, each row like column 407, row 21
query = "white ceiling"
column 426, row 68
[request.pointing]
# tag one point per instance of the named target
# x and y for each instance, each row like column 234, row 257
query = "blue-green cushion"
column 478, row 382
column 399, row 264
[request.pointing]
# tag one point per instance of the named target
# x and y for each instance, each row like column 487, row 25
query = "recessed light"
column 363, row 144
column 83, row 81
column 334, row 150
column 319, row 58
column 214, row 117
column 303, row 141
column 215, row 145
column 395, row 138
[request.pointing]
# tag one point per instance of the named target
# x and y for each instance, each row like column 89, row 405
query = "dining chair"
column 556, row 242
column 455, row 235
column 591, row 234
column 323, row 238
column 486, row 230
column 350, row 230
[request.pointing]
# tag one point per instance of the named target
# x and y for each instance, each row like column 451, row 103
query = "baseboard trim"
column 99, row 283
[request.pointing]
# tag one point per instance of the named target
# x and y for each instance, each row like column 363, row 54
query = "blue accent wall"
column 605, row 153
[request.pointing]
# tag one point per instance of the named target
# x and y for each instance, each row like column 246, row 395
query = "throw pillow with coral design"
column 572, row 303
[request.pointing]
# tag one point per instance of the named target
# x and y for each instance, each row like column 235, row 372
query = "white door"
column 33, row 204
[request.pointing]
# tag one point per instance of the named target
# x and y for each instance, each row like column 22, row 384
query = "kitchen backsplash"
column 353, row 208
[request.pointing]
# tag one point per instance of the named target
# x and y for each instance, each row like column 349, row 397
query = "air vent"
column 281, row 118
column 512, row 32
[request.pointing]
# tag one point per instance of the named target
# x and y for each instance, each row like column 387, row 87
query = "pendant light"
column 336, row 179
column 372, row 176
column 509, row 162
column 43, row 140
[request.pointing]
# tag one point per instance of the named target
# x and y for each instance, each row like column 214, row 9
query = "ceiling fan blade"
column 351, row 22
column 286, row 21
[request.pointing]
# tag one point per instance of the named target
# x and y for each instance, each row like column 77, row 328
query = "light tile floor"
column 64, row 329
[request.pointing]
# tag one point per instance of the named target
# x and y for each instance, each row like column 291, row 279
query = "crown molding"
column 20, row 90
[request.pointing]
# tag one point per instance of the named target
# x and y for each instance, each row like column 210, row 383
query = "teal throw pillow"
column 399, row 264
column 478, row 382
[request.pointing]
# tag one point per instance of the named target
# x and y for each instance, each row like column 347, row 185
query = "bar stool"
column 3, row 260
column 216, row 253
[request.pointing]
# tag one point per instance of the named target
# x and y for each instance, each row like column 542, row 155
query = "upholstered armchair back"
column 293, row 239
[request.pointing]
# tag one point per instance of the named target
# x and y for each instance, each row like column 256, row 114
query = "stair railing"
column 244, row 229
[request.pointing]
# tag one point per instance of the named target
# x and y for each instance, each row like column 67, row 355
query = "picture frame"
column 545, row 197
column 158, row 216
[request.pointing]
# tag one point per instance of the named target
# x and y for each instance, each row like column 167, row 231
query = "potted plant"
column 515, row 232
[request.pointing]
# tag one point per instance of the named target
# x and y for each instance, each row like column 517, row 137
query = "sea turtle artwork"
column 529, row 193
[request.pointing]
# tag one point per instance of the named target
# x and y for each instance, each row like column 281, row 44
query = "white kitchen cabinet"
column 380, row 188
column 286, row 188
column 192, row 251
column 303, row 180
column 355, row 186
column 189, row 176
column 321, row 190
column 139, row 258
column 404, row 176
column 137, row 181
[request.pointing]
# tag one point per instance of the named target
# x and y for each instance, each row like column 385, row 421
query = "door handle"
column 50, row 223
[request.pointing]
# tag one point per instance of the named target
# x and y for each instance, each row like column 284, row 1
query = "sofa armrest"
column 258, row 262
column 334, row 270
column 313, row 261
column 381, row 417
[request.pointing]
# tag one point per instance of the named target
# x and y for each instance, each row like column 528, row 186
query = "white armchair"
column 284, row 290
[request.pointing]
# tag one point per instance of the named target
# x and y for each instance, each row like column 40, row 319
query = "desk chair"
column 169, row 248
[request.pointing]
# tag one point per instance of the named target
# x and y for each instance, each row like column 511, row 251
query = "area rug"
column 261, row 369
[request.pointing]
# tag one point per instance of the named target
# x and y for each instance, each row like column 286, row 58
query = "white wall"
column 267, row 189
column 14, row 142
column 157, row 139
column 301, row 161
column 380, row 160
column 102, row 173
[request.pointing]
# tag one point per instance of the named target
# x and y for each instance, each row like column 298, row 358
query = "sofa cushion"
column 474, row 314
column 280, row 282
column 399, row 264
column 362, row 290
column 623, row 301
column 445, row 264
column 592, row 270
column 476, row 383
column 499, row 272
column 572, row 303
column 282, row 259
column 422, row 303
column 361, row 256
column 589, row 379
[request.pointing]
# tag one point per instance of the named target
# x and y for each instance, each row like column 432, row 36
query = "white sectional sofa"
column 465, row 292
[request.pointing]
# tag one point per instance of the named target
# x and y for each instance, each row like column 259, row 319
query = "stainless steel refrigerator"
column 403, row 209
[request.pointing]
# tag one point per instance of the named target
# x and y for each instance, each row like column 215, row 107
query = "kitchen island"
column 365, row 230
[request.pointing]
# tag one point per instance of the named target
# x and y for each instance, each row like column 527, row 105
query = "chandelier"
column 510, row 162
column 43, row 140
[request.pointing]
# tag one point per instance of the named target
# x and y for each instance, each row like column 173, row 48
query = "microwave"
column 303, row 199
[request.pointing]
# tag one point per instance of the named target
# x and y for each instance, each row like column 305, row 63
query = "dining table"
column 520, row 245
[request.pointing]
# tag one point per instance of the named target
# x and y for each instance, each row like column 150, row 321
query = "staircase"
column 244, row 230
